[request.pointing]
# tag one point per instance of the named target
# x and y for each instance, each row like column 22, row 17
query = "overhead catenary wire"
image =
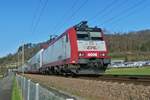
column 142, row 6
column 39, row 17
column 108, row 7
column 125, row 11
column 72, row 15
column 107, row 10
column 103, row 10
column 35, row 15
column 78, row 9
column 63, row 16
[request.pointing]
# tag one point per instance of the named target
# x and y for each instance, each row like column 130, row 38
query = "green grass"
column 16, row 95
column 1, row 76
column 129, row 71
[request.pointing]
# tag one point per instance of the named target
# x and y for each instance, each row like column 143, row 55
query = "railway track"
column 132, row 79
column 135, row 79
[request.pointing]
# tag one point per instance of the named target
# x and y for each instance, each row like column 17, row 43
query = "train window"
column 66, row 37
column 82, row 36
column 95, row 36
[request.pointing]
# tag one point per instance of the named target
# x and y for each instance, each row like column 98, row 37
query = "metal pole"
column 37, row 91
column 28, row 93
column 23, row 72
column 23, row 59
column 22, row 80
column 18, row 59
column 24, row 92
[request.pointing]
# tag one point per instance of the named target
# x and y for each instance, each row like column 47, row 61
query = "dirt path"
column 6, row 87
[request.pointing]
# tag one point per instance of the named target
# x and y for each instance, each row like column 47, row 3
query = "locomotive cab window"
column 96, row 36
column 81, row 35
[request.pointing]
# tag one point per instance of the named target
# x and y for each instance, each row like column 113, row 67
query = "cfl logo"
column 92, row 54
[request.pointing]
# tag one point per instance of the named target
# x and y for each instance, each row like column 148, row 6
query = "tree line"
column 125, row 45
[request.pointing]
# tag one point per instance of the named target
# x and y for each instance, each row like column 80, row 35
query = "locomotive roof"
column 82, row 26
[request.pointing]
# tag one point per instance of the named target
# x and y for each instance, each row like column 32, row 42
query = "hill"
column 128, row 46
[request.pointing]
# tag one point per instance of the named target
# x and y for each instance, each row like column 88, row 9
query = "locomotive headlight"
column 81, row 54
column 73, row 61
column 102, row 54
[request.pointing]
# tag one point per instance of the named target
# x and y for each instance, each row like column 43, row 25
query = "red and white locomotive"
column 79, row 50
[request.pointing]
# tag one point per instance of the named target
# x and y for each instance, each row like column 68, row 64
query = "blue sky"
column 25, row 21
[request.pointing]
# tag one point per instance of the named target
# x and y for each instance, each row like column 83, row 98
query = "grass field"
column 16, row 95
column 129, row 71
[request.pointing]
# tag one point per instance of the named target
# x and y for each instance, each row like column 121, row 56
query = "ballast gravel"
column 93, row 89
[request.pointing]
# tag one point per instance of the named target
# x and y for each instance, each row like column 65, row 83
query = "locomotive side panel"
column 57, row 53
column 35, row 62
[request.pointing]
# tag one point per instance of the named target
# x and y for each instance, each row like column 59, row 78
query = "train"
column 79, row 50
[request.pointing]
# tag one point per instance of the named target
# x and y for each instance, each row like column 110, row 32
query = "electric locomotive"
column 79, row 50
